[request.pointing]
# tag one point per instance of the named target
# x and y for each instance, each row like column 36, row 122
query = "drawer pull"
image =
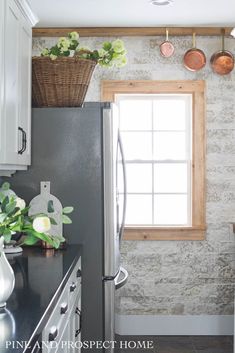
column 63, row 308
column 79, row 273
column 53, row 333
column 73, row 287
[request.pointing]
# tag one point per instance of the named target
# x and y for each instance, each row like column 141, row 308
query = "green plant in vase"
column 14, row 218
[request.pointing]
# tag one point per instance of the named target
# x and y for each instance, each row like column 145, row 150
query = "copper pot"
column 167, row 48
column 222, row 62
column 194, row 59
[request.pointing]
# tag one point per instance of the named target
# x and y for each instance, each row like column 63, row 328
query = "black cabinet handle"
column 23, row 140
column 63, row 308
column 53, row 333
column 78, row 312
column 73, row 287
column 79, row 273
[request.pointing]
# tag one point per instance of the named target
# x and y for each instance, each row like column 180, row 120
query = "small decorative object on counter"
column 15, row 220
column 62, row 74
column 49, row 205
column 7, row 277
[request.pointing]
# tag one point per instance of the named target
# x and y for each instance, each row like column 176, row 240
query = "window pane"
column 170, row 177
column 135, row 115
column 137, row 145
column 169, row 114
column 170, row 209
column 139, row 177
column 169, row 145
column 139, row 209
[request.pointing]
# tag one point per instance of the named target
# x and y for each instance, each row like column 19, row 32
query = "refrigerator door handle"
column 121, row 231
column 122, row 282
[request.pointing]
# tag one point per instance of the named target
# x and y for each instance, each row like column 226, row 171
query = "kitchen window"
column 162, row 129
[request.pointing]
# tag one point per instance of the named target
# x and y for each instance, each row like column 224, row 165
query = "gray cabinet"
column 16, row 21
column 61, row 334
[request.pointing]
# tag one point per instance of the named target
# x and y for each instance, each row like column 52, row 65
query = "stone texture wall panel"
column 186, row 277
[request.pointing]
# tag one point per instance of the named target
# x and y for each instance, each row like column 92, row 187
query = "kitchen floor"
column 176, row 344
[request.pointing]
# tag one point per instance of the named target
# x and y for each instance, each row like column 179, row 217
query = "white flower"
column 64, row 48
column 42, row 224
column 121, row 61
column 53, row 57
column 102, row 52
column 63, row 43
column 118, row 46
column 20, row 203
column 74, row 35
column 45, row 52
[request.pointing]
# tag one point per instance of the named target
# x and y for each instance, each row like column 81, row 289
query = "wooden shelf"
column 128, row 31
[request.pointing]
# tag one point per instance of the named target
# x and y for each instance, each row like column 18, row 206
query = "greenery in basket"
column 112, row 54
column 14, row 219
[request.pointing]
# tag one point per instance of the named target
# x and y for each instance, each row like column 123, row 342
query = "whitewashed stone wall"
column 183, row 277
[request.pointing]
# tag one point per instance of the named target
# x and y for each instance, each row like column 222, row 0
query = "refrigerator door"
column 111, row 231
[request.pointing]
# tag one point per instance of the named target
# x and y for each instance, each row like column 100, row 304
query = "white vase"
column 7, row 277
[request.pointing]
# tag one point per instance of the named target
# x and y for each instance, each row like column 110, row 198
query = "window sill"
column 164, row 233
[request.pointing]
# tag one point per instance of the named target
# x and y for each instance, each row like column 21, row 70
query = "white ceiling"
column 133, row 13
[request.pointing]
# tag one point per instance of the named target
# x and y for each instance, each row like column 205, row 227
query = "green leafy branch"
column 112, row 54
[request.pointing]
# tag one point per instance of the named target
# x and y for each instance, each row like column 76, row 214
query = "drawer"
column 58, row 315
column 74, row 282
column 55, row 345
column 56, row 322
column 76, row 274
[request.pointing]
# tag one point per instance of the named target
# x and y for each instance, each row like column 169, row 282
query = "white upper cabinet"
column 1, row 77
column 25, row 55
column 15, row 60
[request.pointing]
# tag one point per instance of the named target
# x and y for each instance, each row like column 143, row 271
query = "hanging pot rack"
column 129, row 31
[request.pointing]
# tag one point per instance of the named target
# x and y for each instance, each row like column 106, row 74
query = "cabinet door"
column 2, row 128
column 25, row 93
column 12, row 36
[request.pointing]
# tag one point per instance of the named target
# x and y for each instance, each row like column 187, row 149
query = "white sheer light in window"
column 169, row 145
column 137, row 145
column 156, row 134
column 170, row 210
column 170, row 178
column 139, row 209
column 135, row 115
column 139, row 178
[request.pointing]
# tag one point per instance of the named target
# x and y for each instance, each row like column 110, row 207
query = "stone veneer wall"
column 183, row 277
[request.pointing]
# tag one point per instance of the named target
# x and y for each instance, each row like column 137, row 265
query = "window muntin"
column 158, row 152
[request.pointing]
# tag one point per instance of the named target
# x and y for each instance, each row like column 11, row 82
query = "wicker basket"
column 62, row 82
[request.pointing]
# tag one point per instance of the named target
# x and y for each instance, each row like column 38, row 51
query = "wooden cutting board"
column 41, row 204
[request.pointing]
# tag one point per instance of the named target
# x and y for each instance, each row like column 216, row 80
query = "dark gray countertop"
column 39, row 276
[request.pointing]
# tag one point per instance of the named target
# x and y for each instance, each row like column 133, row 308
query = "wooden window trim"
column 109, row 89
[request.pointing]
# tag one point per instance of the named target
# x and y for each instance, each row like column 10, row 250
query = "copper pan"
column 194, row 59
column 167, row 48
column 222, row 62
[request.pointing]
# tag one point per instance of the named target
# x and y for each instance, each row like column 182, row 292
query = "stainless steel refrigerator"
column 79, row 151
